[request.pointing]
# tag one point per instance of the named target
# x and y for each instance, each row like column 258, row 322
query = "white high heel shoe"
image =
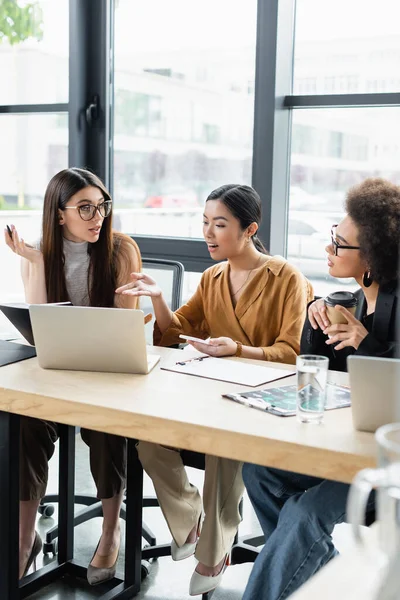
column 187, row 549
column 182, row 552
column 201, row 584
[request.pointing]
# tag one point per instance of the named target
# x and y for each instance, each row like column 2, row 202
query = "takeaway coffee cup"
column 346, row 299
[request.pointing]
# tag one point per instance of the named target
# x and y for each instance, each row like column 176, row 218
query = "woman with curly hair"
column 297, row 512
column 365, row 245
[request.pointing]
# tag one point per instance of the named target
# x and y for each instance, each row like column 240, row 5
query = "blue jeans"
column 297, row 514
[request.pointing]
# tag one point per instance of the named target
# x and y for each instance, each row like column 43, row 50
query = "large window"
column 34, row 52
column 347, row 47
column 33, row 122
column 342, row 48
column 184, row 104
column 299, row 98
column 32, row 150
column 333, row 149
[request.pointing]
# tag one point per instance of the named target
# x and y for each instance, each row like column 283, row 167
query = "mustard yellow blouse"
column 269, row 314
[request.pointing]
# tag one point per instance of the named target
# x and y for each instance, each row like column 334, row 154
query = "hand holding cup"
column 346, row 299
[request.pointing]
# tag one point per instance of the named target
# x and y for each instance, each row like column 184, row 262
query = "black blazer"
column 382, row 340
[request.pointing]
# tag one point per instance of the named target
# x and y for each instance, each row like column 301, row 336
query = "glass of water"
column 312, row 373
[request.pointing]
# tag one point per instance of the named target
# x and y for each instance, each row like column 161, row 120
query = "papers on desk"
column 281, row 401
column 227, row 370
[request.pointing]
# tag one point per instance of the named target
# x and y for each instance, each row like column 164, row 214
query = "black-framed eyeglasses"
column 337, row 246
column 87, row 211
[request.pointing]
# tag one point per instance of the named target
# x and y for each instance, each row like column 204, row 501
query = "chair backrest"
column 169, row 276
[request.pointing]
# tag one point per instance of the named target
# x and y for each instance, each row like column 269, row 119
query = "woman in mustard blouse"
column 251, row 305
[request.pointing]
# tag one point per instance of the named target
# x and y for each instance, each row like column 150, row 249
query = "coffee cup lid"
column 346, row 299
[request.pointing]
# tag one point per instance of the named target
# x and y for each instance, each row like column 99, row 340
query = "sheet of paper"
column 227, row 370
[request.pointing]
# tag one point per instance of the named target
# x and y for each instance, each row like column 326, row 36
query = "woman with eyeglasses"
column 297, row 512
column 81, row 259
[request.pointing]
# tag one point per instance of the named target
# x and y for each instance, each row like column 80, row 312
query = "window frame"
column 271, row 136
column 274, row 103
column 91, row 79
column 89, row 44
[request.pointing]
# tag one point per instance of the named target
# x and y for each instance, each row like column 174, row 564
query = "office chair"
column 161, row 270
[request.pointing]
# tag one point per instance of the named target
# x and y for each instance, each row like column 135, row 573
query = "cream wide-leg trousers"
column 181, row 504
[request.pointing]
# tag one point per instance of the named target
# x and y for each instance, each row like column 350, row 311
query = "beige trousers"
column 181, row 504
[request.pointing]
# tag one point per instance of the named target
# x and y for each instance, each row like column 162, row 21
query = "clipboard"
column 227, row 370
column 281, row 401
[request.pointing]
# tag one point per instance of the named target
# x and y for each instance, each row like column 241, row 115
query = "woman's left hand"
column 222, row 346
column 350, row 334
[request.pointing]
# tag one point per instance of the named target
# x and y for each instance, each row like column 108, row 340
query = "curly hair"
column 374, row 207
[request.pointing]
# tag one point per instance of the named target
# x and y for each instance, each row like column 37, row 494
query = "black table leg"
column 133, row 530
column 66, row 491
column 9, row 505
column 10, row 588
column 133, row 535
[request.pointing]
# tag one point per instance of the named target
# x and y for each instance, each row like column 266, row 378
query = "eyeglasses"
column 87, row 212
column 336, row 246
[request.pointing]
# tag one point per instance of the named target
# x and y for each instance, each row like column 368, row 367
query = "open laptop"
column 81, row 338
column 375, row 391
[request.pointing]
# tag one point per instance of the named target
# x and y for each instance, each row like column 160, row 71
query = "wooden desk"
column 188, row 412
column 173, row 409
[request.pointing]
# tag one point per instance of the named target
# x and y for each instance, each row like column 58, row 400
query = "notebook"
column 221, row 369
column 11, row 352
column 281, row 401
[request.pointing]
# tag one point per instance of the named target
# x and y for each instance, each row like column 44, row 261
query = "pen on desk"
column 189, row 360
column 250, row 403
column 334, row 384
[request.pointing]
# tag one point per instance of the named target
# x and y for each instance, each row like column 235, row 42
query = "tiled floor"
column 167, row 579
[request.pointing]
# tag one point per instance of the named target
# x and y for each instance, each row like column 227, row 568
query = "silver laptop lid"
column 375, row 391
column 84, row 338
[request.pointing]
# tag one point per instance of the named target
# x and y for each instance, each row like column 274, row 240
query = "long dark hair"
column 103, row 253
column 244, row 203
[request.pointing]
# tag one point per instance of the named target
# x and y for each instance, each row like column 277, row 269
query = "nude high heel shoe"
column 201, row 584
column 96, row 575
column 36, row 548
